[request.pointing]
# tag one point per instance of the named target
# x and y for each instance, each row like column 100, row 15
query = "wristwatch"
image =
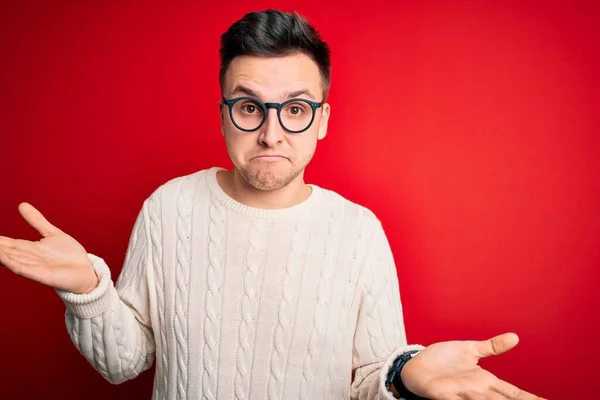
column 393, row 377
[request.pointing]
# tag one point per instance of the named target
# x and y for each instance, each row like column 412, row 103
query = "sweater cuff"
column 94, row 303
column 385, row 369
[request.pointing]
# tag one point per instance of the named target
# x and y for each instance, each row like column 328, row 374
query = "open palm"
column 450, row 371
column 56, row 260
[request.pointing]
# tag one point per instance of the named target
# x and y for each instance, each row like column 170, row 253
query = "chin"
column 267, row 178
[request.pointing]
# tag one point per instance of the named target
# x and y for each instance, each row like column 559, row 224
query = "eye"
column 249, row 108
column 295, row 109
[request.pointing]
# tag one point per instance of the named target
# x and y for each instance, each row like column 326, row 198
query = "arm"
column 380, row 335
column 110, row 325
column 441, row 371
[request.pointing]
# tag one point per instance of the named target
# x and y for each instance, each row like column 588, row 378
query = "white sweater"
column 236, row 302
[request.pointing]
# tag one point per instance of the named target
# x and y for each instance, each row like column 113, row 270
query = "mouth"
column 269, row 158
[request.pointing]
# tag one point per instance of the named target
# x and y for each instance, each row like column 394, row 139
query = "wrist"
column 96, row 302
column 92, row 280
column 402, row 379
column 95, row 282
column 397, row 377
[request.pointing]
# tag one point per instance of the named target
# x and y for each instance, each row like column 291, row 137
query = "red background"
column 470, row 128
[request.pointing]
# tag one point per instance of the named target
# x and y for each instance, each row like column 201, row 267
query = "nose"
column 271, row 132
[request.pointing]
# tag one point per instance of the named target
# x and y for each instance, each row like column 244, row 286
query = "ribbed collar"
column 264, row 213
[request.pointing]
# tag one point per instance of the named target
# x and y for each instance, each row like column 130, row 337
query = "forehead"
column 273, row 76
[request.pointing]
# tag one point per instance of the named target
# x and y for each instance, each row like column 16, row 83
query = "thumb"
column 496, row 345
column 37, row 220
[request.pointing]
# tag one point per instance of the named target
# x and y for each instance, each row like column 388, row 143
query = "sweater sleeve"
column 380, row 335
column 110, row 326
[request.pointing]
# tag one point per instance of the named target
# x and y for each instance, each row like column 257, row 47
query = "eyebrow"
column 297, row 93
column 244, row 90
column 288, row 95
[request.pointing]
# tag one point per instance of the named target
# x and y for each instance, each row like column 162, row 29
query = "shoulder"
column 176, row 185
column 349, row 209
column 170, row 190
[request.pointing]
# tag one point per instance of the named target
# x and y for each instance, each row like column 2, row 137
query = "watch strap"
column 394, row 378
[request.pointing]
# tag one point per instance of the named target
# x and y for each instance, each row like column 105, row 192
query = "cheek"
column 238, row 144
column 231, row 137
column 304, row 147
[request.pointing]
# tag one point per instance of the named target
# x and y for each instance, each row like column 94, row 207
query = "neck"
column 236, row 187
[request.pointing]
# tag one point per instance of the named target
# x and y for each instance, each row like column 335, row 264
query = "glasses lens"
column 247, row 114
column 296, row 115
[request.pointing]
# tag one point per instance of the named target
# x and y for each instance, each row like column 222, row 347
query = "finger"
column 512, row 392
column 491, row 395
column 7, row 242
column 2, row 248
column 25, row 267
column 11, row 263
column 22, row 257
column 37, row 220
column 496, row 345
column 18, row 244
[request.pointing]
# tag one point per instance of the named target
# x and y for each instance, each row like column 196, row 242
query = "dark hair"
column 273, row 33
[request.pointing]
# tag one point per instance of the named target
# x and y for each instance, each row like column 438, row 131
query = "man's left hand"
column 450, row 371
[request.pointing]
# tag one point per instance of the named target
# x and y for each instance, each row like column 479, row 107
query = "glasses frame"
column 265, row 107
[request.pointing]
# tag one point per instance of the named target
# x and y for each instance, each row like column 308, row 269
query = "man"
column 249, row 283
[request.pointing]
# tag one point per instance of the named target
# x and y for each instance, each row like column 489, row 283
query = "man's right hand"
column 56, row 260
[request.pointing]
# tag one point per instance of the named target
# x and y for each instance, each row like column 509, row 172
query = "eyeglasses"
column 248, row 113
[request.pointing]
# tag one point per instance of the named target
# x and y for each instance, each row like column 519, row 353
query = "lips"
column 269, row 156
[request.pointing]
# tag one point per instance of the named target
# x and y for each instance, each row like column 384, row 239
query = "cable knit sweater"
column 235, row 302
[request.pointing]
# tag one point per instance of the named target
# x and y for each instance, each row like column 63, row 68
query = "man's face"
column 273, row 80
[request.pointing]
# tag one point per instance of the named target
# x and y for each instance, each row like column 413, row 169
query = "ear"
column 323, row 122
column 222, row 116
